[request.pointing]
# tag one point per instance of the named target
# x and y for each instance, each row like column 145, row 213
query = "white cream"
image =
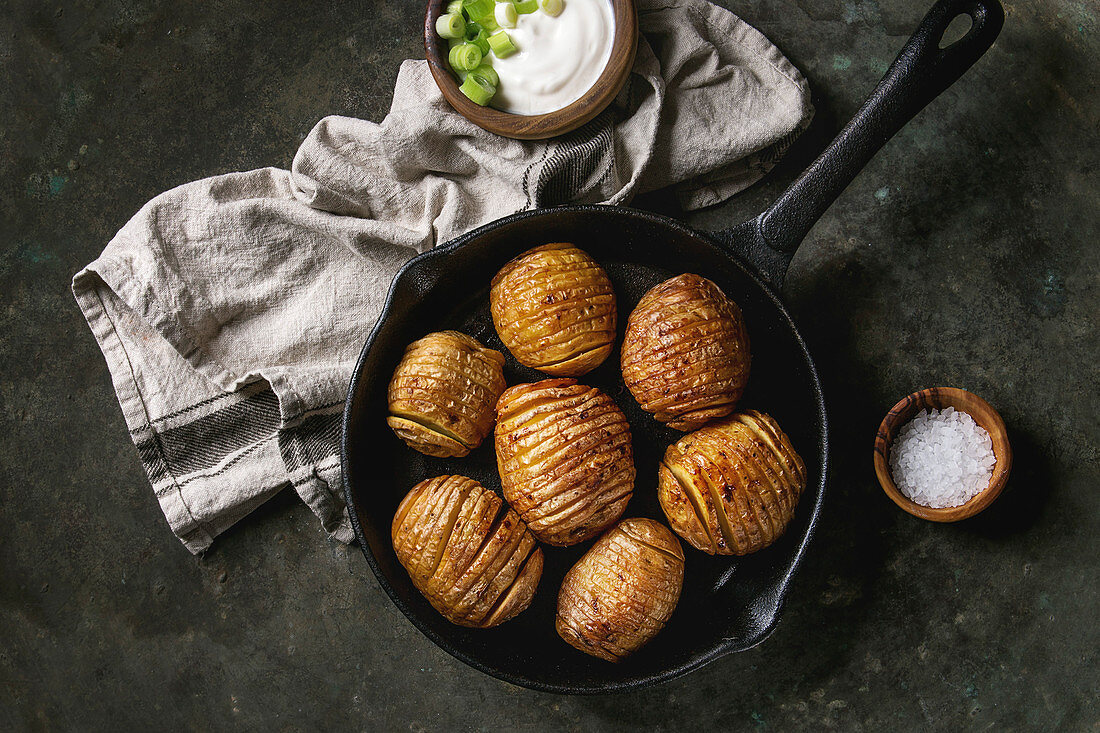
column 505, row 15
column 559, row 59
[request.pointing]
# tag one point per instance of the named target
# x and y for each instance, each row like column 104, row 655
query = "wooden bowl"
column 537, row 127
column 940, row 398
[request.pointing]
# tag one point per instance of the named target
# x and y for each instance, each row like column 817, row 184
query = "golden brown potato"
column 621, row 593
column 563, row 450
column 468, row 553
column 443, row 393
column 731, row 487
column 685, row 356
column 554, row 309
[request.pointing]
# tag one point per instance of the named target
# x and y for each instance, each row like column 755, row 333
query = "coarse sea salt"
column 942, row 458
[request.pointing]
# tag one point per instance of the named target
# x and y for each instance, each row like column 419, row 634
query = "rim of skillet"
column 718, row 650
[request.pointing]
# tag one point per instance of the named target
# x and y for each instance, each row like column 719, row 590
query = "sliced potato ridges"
column 687, row 486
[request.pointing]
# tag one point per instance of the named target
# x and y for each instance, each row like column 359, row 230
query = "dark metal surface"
column 727, row 605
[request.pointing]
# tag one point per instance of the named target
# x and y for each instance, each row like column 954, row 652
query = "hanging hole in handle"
column 956, row 30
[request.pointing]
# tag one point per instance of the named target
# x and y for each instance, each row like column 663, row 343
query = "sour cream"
column 559, row 58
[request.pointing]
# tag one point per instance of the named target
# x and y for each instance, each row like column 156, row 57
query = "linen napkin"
column 231, row 310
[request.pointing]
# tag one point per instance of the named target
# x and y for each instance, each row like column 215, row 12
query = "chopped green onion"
column 481, row 40
column 526, row 7
column 465, row 57
column 452, row 42
column 482, row 13
column 488, row 73
column 478, row 89
column 506, row 14
column 551, row 7
column 450, row 25
column 472, row 29
column 478, row 9
column 454, row 6
column 502, row 45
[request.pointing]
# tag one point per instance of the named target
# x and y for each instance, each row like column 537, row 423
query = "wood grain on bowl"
column 551, row 124
column 941, row 398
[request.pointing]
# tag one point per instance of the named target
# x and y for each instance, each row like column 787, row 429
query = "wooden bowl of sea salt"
column 942, row 454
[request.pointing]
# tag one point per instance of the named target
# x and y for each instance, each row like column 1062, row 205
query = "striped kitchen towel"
column 231, row 310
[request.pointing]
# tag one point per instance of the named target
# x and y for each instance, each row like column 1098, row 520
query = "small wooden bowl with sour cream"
column 550, row 124
column 942, row 398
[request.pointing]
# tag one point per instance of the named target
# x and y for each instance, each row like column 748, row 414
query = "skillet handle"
column 919, row 74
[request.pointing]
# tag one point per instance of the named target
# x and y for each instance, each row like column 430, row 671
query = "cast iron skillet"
column 727, row 605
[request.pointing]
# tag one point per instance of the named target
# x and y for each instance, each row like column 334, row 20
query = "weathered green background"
column 966, row 254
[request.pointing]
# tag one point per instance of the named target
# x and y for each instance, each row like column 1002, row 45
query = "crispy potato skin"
column 622, row 591
column 731, row 487
column 565, row 459
column 554, row 309
column 466, row 552
column 685, row 356
column 443, row 394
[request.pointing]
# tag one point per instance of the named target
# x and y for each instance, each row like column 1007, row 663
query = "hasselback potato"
column 685, row 356
column 565, row 460
column 621, row 593
column 554, row 309
column 443, row 394
column 731, row 487
column 466, row 551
